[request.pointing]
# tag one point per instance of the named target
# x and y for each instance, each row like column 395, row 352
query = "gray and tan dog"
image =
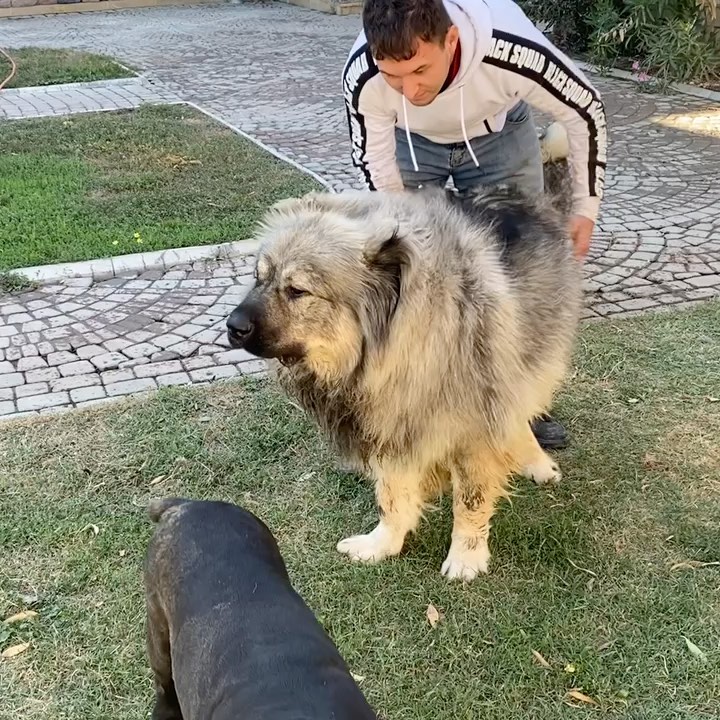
column 422, row 331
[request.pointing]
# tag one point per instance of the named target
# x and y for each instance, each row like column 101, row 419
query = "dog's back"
column 242, row 641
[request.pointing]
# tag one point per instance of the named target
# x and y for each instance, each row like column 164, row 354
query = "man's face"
column 420, row 78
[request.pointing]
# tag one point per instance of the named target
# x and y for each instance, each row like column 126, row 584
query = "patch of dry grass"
column 604, row 576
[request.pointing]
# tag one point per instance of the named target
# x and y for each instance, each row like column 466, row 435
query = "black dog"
column 227, row 635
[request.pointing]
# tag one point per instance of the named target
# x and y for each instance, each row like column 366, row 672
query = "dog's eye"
column 294, row 293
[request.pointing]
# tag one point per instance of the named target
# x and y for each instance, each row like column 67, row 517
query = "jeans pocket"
column 519, row 113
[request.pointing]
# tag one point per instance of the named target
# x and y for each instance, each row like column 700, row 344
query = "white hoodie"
column 504, row 59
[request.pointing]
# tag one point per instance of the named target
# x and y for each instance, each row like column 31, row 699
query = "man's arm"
column 550, row 81
column 372, row 130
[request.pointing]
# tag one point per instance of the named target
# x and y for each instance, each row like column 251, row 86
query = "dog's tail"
column 554, row 144
column 555, row 149
column 159, row 506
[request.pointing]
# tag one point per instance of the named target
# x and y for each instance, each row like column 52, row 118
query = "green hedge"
column 671, row 40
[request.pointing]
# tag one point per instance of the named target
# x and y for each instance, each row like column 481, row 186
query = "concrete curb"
column 682, row 88
column 87, row 85
column 107, row 268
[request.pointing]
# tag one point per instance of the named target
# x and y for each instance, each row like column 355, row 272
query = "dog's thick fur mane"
column 466, row 307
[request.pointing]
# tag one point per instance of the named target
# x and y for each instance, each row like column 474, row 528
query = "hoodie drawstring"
column 462, row 124
column 407, row 132
column 464, row 129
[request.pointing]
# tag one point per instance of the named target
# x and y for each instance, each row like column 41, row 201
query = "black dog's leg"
column 166, row 705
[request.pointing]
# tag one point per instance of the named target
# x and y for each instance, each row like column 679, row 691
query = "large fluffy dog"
column 422, row 332
column 227, row 635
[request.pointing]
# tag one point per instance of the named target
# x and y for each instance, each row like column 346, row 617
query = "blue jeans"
column 511, row 156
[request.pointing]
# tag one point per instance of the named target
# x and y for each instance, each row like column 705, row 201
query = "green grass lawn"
column 48, row 66
column 602, row 576
column 106, row 184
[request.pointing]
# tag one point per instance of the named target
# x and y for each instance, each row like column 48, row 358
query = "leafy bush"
column 674, row 40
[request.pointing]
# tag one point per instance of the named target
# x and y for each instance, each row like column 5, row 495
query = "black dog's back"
column 243, row 642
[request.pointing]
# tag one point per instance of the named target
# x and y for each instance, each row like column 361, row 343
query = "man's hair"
column 393, row 28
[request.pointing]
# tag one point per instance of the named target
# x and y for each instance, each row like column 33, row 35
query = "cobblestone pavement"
column 657, row 243
column 120, row 94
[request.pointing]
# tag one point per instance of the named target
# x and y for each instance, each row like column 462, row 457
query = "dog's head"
column 327, row 285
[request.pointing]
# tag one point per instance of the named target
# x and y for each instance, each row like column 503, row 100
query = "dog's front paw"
column 544, row 472
column 467, row 557
column 371, row 548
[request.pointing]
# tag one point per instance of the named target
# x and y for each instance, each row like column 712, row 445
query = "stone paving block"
column 108, row 361
column 40, row 402
column 6, row 367
column 213, row 373
column 8, row 380
column 7, row 407
column 158, row 368
column 31, row 389
column 31, row 363
column 84, row 394
column 130, row 387
column 254, row 367
column 178, row 378
column 60, row 358
column 42, row 375
column 705, row 281
column 80, row 367
column 86, row 352
column 75, row 381
column 196, row 363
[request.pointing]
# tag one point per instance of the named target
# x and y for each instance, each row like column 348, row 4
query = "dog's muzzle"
column 240, row 327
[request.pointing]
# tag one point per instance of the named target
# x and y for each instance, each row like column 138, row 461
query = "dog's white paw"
column 466, row 559
column 371, row 548
column 543, row 472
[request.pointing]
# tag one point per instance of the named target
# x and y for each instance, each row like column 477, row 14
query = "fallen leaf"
column 693, row 565
column 582, row 569
column 541, row 660
column 157, row 479
column 357, row 678
column 91, row 526
column 28, row 598
column 15, row 650
column 570, row 669
column 633, row 401
column 21, row 617
column 433, row 616
column 713, row 399
column 694, row 649
column 581, row 697
column 123, row 553
column 651, row 462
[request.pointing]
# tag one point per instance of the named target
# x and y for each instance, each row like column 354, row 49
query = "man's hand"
column 581, row 230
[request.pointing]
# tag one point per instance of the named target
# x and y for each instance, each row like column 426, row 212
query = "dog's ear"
column 387, row 249
column 387, row 258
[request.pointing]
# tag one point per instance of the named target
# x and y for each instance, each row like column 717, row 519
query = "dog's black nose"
column 239, row 327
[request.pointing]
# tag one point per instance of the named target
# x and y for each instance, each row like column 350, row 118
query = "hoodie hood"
column 474, row 24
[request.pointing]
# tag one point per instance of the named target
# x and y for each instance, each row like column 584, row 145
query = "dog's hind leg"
column 166, row 706
column 535, row 464
column 400, row 498
column 479, row 479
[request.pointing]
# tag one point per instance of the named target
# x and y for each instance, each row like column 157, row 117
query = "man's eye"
column 293, row 292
